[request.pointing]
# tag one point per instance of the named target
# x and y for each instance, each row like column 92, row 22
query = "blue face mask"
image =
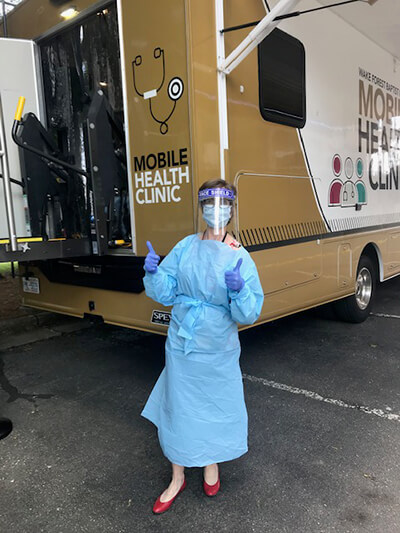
column 217, row 219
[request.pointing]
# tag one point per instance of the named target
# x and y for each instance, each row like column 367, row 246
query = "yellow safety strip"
column 22, row 239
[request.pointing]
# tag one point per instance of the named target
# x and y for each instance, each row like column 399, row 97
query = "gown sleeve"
column 246, row 305
column 162, row 285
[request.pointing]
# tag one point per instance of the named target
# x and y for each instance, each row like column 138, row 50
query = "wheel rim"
column 363, row 288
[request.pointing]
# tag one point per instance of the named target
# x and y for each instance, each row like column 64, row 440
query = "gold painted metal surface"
column 133, row 310
column 393, row 251
column 158, row 120
column 203, row 91
column 345, row 275
column 286, row 205
column 283, row 269
column 255, row 145
column 122, row 308
column 295, row 276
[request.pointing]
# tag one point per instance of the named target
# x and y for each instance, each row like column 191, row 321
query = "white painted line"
column 315, row 396
column 383, row 315
column 150, row 94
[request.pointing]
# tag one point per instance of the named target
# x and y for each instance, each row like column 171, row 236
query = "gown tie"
column 194, row 308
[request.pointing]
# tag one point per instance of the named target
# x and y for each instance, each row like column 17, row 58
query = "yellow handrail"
column 20, row 108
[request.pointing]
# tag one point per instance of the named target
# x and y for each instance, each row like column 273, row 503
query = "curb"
column 36, row 326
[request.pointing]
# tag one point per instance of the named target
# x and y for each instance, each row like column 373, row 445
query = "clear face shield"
column 216, row 210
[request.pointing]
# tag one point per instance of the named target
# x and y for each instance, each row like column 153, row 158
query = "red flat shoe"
column 160, row 507
column 211, row 490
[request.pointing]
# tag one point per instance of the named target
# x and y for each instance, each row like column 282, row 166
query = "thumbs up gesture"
column 233, row 279
column 152, row 260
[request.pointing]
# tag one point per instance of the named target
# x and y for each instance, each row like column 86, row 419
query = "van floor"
column 323, row 399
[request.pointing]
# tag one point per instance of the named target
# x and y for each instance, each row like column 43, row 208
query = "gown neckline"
column 199, row 237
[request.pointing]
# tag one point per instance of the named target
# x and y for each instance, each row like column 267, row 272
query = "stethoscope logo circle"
column 175, row 88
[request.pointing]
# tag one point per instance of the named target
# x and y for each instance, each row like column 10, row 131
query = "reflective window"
column 282, row 90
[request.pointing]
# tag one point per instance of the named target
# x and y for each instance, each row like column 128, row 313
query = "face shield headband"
column 208, row 194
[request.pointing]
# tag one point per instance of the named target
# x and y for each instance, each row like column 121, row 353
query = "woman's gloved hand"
column 152, row 260
column 233, row 279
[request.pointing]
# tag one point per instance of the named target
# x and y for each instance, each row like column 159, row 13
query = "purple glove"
column 233, row 279
column 152, row 260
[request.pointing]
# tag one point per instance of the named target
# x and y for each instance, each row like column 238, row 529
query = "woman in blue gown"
column 197, row 402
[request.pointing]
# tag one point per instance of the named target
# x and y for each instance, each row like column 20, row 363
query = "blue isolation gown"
column 197, row 402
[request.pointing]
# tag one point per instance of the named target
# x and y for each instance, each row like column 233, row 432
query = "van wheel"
column 357, row 307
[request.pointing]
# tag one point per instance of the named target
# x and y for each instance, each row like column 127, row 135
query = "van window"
column 282, row 86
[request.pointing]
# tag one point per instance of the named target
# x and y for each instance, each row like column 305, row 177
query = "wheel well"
column 373, row 252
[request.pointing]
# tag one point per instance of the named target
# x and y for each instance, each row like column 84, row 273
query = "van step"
column 36, row 248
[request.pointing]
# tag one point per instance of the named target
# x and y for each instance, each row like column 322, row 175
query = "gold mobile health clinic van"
column 131, row 105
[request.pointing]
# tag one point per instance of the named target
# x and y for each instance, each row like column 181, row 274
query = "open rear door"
column 19, row 240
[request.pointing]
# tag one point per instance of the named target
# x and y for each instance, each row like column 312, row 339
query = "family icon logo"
column 346, row 193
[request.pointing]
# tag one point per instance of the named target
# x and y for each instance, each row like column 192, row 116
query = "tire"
column 357, row 307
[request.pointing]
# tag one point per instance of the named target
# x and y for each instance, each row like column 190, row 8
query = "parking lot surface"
column 323, row 399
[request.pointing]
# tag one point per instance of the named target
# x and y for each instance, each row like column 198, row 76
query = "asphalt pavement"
column 323, row 399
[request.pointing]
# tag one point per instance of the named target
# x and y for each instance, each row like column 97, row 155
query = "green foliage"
column 5, row 269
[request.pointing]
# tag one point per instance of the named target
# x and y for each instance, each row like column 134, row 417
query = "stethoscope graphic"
column 175, row 88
